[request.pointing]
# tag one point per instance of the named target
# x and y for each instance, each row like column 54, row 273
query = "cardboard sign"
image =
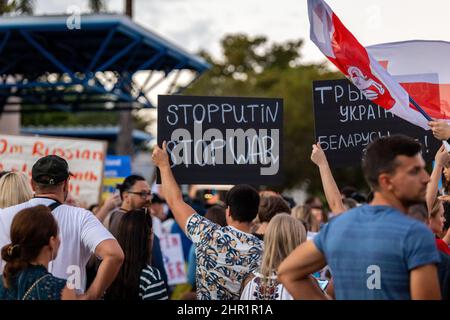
column 222, row 140
column 173, row 258
column 85, row 159
column 346, row 122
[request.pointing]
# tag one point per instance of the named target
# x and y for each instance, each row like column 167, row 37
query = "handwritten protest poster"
column 346, row 122
column 173, row 258
column 222, row 140
column 85, row 159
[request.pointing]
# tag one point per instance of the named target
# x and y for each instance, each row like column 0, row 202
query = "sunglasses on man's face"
column 142, row 194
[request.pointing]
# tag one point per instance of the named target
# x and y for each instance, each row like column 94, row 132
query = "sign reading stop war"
column 222, row 140
column 346, row 122
column 85, row 159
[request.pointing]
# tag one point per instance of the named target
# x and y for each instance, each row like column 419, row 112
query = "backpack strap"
column 54, row 205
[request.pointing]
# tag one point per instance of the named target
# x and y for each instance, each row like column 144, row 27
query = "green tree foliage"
column 16, row 6
column 254, row 67
column 69, row 118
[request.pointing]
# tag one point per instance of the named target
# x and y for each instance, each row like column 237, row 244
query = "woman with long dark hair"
column 34, row 243
column 137, row 280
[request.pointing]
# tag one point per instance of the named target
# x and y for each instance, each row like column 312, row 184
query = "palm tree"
column 125, row 138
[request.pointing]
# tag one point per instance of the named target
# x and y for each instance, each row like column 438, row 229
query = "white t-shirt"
column 311, row 235
column 80, row 233
column 157, row 227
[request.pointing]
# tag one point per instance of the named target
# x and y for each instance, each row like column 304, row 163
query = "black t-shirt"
column 259, row 236
column 444, row 275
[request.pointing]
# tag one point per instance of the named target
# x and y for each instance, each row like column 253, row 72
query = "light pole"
column 124, row 144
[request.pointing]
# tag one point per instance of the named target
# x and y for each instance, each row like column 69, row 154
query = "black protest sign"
column 222, row 140
column 346, row 122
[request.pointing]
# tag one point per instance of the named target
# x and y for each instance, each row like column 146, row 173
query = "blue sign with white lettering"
column 117, row 166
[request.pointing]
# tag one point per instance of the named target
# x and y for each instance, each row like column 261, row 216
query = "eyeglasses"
column 142, row 194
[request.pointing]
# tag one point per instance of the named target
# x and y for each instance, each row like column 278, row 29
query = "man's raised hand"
column 160, row 157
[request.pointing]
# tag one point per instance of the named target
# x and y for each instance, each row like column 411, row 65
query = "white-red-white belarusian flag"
column 352, row 59
column 423, row 69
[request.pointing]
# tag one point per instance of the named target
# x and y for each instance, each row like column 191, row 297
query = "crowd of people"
column 252, row 245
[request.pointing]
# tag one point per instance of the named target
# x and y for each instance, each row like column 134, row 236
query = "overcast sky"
column 200, row 24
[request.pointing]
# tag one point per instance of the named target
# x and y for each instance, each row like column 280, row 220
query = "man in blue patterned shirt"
column 225, row 255
column 374, row 251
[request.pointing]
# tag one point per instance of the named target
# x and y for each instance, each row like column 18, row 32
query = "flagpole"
column 446, row 144
column 419, row 108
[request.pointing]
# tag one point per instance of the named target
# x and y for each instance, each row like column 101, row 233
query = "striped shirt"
column 151, row 285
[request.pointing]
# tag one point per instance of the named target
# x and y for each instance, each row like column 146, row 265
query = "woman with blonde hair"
column 305, row 214
column 284, row 233
column 434, row 203
column 436, row 222
column 14, row 189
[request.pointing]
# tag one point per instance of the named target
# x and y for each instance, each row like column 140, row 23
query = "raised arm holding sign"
column 181, row 210
column 330, row 187
column 218, row 275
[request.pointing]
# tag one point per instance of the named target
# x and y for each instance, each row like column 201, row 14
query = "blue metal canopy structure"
column 91, row 132
column 51, row 67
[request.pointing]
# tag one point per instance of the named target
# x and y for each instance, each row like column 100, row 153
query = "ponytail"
column 31, row 230
column 14, row 263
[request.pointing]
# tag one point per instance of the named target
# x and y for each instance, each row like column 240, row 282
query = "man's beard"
column 410, row 202
column 145, row 205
